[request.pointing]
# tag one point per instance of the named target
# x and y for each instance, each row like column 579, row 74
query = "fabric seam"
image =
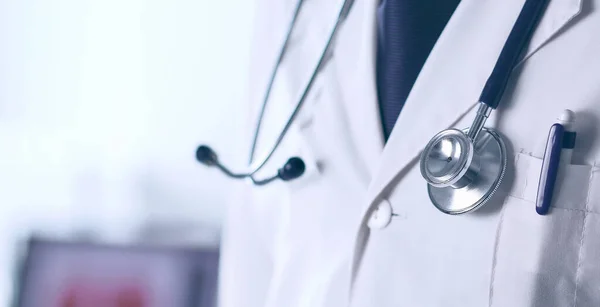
column 495, row 257
column 497, row 243
column 586, row 211
column 581, row 241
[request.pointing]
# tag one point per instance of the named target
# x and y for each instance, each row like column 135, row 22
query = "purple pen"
column 559, row 147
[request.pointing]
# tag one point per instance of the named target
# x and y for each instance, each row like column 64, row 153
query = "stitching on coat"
column 585, row 220
column 495, row 257
column 497, row 240
column 588, row 211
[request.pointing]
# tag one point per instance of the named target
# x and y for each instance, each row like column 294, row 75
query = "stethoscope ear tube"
column 342, row 14
column 269, row 88
column 294, row 167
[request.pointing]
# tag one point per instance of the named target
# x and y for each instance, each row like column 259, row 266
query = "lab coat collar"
column 354, row 60
column 437, row 103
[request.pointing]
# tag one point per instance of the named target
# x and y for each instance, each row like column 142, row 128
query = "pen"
column 559, row 150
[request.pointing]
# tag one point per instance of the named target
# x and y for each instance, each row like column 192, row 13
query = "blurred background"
column 102, row 105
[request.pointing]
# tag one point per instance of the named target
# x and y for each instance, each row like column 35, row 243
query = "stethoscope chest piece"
column 462, row 174
column 463, row 169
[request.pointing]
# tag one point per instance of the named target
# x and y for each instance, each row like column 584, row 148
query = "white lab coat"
column 308, row 242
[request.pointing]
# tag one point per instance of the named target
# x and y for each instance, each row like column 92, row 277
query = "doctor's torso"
column 324, row 239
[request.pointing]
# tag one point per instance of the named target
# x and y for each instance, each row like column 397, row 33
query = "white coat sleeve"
column 245, row 265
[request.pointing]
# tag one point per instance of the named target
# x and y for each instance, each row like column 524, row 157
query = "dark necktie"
column 407, row 31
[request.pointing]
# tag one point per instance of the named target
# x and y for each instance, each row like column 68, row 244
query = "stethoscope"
column 294, row 167
column 463, row 168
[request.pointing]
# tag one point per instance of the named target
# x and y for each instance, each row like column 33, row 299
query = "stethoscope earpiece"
column 206, row 155
column 293, row 168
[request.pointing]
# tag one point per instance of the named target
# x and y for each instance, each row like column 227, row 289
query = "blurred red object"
column 130, row 297
column 76, row 274
column 91, row 294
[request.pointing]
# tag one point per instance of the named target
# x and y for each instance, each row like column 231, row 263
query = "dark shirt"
column 407, row 31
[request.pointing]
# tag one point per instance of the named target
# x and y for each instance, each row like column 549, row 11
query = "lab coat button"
column 381, row 216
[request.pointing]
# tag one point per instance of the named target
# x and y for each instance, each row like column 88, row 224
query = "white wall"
column 102, row 104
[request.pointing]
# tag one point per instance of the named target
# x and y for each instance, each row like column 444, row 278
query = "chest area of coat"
column 504, row 254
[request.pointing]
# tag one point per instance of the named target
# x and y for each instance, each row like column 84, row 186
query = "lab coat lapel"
column 449, row 85
column 559, row 14
column 354, row 60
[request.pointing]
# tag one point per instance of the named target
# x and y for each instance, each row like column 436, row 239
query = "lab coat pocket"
column 536, row 257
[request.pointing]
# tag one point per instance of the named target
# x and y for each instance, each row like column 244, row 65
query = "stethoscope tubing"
column 342, row 14
column 272, row 80
column 516, row 42
column 465, row 173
